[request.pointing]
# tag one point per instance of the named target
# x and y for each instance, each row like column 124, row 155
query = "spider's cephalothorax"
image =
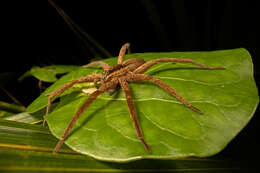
column 122, row 69
column 121, row 74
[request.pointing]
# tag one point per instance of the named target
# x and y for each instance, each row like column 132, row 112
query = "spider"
column 121, row 74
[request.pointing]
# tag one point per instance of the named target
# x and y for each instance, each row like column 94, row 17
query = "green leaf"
column 5, row 113
column 48, row 73
column 105, row 131
column 25, row 117
column 25, row 136
column 28, row 148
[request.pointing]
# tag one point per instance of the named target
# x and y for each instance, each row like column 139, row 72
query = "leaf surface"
column 48, row 73
column 25, row 117
column 105, row 131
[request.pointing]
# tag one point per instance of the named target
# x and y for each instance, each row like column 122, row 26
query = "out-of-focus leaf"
column 24, row 117
column 26, row 136
column 11, row 107
column 105, row 130
column 28, row 148
column 5, row 113
column 48, row 73
column 25, row 75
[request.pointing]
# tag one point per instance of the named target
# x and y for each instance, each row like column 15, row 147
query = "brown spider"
column 122, row 73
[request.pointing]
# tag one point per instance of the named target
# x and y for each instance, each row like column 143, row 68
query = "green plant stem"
column 11, row 107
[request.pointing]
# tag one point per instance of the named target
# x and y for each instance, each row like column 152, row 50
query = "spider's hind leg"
column 149, row 64
column 142, row 77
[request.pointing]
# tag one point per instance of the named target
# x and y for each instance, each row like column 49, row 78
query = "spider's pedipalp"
column 148, row 64
column 142, row 77
column 89, row 78
column 125, row 87
column 104, row 87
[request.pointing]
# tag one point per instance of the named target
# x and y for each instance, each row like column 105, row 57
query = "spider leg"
column 148, row 64
column 82, row 108
column 142, row 77
column 122, row 52
column 104, row 65
column 124, row 85
column 89, row 78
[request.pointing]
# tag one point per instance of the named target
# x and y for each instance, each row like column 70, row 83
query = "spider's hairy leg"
column 122, row 52
column 104, row 87
column 89, row 78
column 124, row 85
column 104, row 65
column 142, row 77
column 148, row 64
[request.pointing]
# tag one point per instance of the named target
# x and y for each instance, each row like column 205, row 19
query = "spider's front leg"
column 122, row 53
column 124, row 85
column 103, row 88
column 89, row 78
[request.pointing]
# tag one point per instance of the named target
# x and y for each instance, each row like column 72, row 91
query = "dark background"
column 33, row 33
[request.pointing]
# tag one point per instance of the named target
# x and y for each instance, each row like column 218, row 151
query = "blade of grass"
column 11, row 97
column 96, row 49
column 11, row 107
column 25, row 147
column 4, row 114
